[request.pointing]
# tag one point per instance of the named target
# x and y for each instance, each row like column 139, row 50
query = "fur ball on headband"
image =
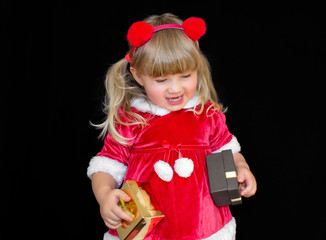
column 139, row 33
column 194, row 28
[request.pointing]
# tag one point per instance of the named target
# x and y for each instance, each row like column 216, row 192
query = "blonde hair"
column 169, row 51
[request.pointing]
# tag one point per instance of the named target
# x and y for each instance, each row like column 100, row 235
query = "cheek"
column 155, row 93
column 192, row 86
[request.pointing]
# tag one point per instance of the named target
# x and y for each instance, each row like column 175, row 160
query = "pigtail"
column 121, row 88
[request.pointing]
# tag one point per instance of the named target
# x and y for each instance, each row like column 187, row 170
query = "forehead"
column 155, row 70
column 171, row 75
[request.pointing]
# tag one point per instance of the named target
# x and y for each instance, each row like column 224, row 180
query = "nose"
column 175, row 86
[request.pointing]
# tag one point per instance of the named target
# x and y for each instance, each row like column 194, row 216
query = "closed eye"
column 160, row 80
column 186, row 76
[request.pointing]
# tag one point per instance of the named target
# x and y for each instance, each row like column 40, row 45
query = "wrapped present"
column 142, row 208
column 222, row 176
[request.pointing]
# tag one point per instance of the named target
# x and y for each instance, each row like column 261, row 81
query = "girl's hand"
column 111, row 213
column 248, row 182
column 245, row 176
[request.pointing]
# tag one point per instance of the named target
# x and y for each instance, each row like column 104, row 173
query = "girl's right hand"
column 111, row 213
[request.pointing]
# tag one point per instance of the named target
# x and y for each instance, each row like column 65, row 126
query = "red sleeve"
column 219, row 134
column 113, row 149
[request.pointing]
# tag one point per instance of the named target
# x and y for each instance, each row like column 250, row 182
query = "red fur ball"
column 139, row 33
column 194, row 28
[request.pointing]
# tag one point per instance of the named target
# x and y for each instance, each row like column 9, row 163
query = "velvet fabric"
column 189, row 210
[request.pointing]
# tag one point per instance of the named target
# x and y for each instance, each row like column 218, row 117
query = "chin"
column 175, row 108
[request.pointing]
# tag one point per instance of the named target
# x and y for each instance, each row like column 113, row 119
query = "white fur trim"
column 233, row 145
column 142, row 105
column 226, row 233
column 192, row 102
column 184, row 167
column 108, row 236
column 163, row 170
column 146, row 106
column 103, row 164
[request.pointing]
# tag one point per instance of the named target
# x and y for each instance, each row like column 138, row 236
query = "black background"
column 268, row 63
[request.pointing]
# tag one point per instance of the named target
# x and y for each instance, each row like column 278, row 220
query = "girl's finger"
column 113, row 222
column 112, row 226
column 241, row 179
column 121, row 214
column 249, row 189
column 124, row 196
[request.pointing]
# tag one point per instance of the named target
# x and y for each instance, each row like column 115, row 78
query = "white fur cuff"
column 103, row 164
column 233, row 145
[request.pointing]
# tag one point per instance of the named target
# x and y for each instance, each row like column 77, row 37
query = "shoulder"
column 129, row 124
column 213, row 110
column 131, row 116
column 215, row 117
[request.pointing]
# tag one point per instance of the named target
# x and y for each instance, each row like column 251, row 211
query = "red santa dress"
column 169, row 154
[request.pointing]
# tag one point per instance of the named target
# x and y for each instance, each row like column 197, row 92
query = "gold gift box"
column 142, row 208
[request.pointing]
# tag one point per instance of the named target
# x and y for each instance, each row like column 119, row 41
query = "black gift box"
column 223, row 182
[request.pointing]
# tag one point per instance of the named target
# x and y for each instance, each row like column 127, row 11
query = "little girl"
column 162, row 119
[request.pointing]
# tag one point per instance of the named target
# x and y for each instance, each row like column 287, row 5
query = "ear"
column 136, row 76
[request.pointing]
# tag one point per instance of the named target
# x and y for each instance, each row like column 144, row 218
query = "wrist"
column 102, row 185
column 241, row 166
column 102, row 195
column 239, row 161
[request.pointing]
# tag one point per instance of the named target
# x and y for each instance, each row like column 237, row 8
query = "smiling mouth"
column 175, row 100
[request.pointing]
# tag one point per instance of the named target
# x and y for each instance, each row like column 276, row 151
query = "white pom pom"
column 184, row 167
column 163, row 170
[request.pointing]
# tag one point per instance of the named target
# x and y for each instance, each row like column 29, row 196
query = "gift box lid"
column 222, row 176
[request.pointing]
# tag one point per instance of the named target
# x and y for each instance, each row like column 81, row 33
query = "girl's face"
column 171, row 92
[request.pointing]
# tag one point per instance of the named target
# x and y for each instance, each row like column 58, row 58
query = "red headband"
column 141, row 32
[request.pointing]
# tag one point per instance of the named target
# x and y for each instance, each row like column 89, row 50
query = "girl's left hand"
column 248, row 182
